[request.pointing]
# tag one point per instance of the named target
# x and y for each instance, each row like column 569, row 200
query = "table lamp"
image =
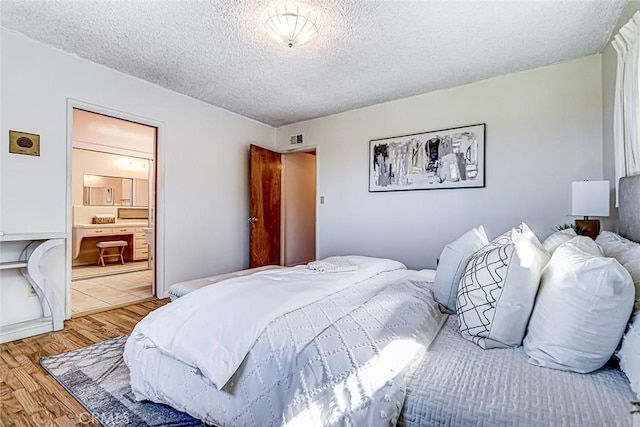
column 589, row 198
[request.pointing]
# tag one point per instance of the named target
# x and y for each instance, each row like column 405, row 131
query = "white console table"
column 36, row 245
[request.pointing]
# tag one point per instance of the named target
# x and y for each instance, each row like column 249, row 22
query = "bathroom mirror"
column 101, row 190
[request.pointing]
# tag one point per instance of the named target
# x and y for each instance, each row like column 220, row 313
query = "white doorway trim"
column 159, row 211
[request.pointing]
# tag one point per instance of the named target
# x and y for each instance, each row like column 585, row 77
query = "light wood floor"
column 29, row 396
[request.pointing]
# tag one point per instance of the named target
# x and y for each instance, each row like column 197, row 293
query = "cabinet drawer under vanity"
column 141, row 253
column 140, row 248
column 98, row 232
column 123, row 230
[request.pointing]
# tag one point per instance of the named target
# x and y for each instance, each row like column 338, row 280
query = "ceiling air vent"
column 296, row 139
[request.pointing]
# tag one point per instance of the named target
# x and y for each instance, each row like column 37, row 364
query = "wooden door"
column 264, row 210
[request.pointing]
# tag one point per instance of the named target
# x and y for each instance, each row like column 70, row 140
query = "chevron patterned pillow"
column 498, row 288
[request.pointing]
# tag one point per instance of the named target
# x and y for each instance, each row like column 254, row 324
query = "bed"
column 374, row 351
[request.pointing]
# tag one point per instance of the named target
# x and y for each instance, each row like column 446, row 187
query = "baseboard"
column 25, row 329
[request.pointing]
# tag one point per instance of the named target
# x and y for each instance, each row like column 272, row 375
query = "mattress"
column 458, row 383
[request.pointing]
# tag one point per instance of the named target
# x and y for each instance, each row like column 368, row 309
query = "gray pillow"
column 453, row 261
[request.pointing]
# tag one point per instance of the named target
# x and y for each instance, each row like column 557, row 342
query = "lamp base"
column 588, row 227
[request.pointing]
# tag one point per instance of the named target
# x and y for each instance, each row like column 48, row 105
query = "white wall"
column 544, row 130
column 98, row 132
column 203, row 158
column 609, row 66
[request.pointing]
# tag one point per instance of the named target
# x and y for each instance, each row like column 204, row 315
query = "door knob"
column 252, row 219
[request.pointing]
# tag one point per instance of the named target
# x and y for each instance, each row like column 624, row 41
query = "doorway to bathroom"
column 113, row 196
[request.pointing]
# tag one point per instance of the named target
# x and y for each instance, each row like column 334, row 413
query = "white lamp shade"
column 590, row 198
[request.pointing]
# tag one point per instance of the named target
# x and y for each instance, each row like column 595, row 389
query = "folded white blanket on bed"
column 333, row 264
column 212, row 329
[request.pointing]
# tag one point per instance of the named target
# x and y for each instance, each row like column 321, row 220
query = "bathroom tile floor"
column 101, row 293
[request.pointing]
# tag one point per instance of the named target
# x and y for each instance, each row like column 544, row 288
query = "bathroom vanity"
column 132, row 233
column 128, row 227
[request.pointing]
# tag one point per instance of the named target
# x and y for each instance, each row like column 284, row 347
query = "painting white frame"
column 441, row 159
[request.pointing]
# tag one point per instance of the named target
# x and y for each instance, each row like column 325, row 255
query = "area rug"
column 99, row 379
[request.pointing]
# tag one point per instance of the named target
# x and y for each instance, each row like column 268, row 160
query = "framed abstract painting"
column 448, row 158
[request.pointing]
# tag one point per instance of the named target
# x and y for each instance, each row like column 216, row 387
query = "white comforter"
column 214, row 328
column 330, row 359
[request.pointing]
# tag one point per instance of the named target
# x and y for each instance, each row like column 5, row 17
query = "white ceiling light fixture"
column 293, row 24
column 129, row 164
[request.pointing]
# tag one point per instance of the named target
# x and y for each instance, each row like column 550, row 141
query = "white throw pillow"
column 581, row 310
column 498, row 288
column 626, row 253
column 629, row 354
column 452, row 262
column 552, row 242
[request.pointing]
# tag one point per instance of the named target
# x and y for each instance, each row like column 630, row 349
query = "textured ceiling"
column 366, row 52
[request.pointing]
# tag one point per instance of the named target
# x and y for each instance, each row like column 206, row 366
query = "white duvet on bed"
column 340, row 359
column 213, row 328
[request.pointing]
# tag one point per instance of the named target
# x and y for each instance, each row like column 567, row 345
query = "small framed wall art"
column 24, row 143
column 448, row 158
